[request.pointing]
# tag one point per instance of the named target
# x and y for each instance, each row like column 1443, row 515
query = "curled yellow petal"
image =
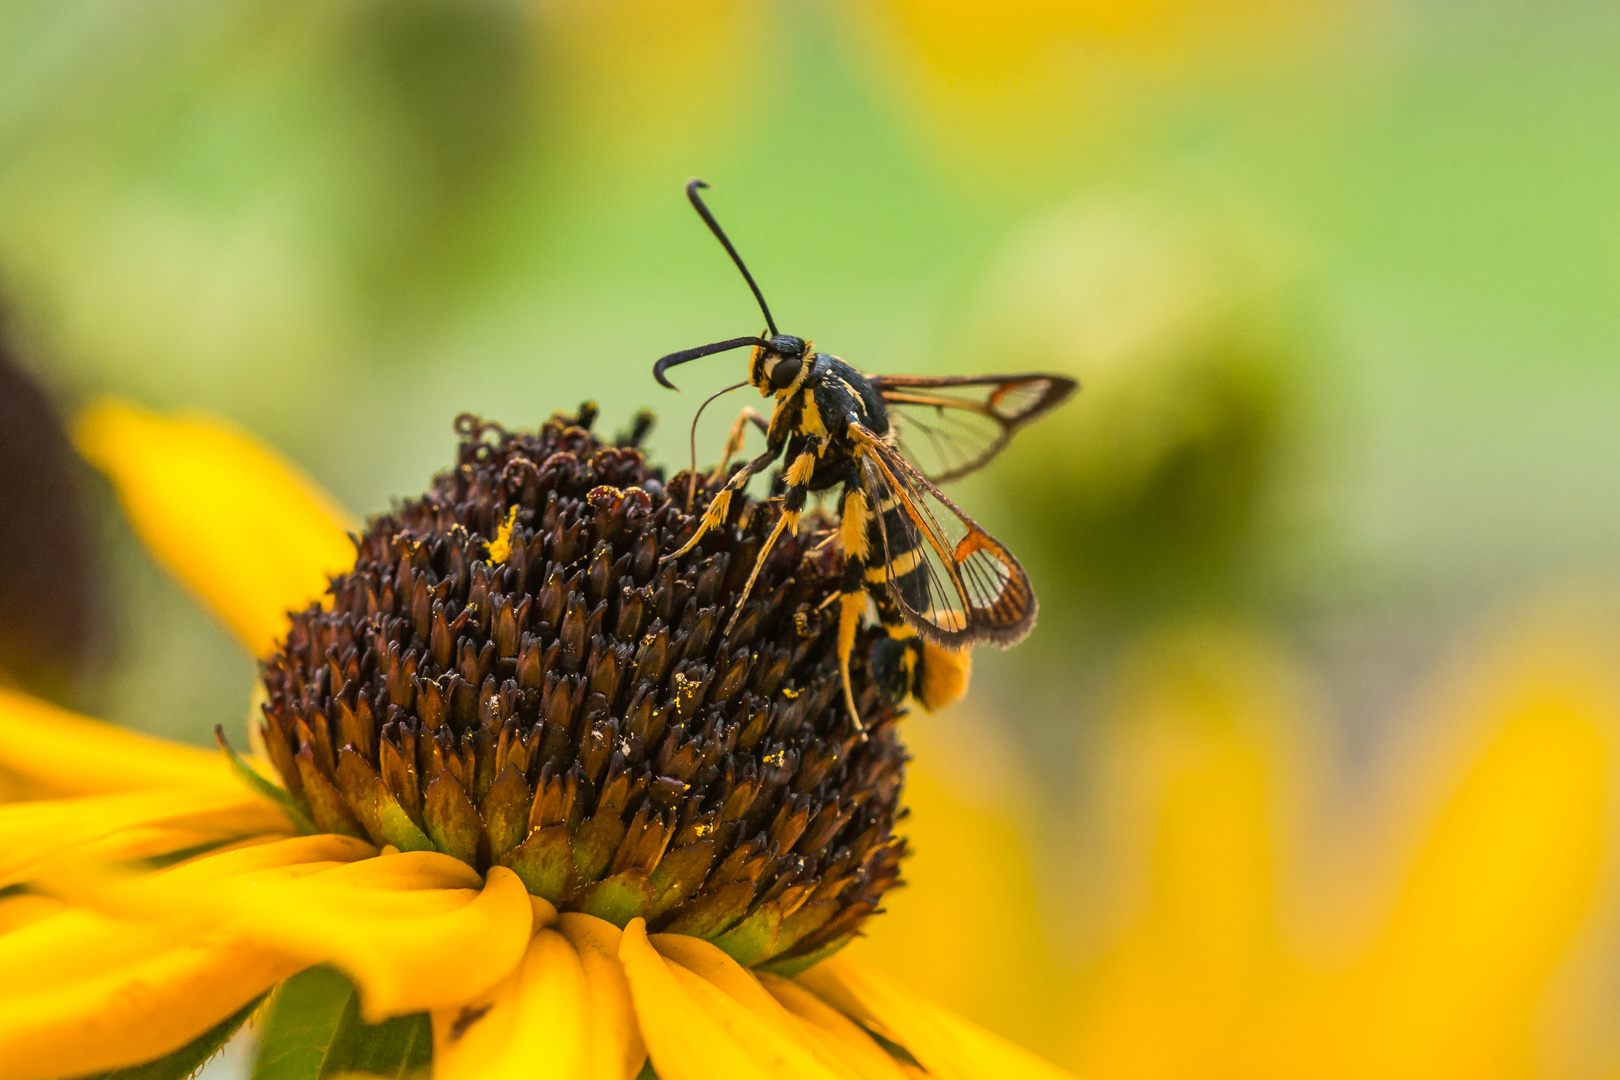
column 534, row 1024
column 683, row 1040
column 409, row 939
column 135, row 919
column 290, row 851
column 83, row 1017
column 946, row 1045
column 614, row 1050
column 49, row 753
column 196, row 892
column 415, row 930
column 235, row 522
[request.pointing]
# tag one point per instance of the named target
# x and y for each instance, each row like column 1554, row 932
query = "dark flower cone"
column 511, row 675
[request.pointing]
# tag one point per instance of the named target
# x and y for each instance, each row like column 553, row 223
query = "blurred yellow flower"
column 149, row 899
column 1246, row 911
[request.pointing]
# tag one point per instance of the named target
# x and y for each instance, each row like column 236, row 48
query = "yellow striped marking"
column 798, row 474
column 901, row 565
column 851, row 608
column 852, row 525
column 810, row 419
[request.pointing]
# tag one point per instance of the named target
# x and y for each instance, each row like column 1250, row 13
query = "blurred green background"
column 1341, row 279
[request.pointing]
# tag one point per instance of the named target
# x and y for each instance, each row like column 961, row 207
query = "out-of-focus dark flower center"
column 511, row 675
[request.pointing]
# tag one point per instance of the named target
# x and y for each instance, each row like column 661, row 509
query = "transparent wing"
column 954, row 583
column 951, row 425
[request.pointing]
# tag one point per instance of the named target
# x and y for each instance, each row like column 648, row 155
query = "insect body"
column 938, row 581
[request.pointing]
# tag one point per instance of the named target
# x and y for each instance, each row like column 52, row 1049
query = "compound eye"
column 783, row 371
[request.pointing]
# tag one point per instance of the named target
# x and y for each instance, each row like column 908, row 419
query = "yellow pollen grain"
column 500, row 548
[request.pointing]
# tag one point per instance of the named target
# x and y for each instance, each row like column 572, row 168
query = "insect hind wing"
column 990, row 571
column 954, row 583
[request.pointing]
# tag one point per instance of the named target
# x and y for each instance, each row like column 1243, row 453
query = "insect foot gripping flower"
column 512, row 676
column 538, row 814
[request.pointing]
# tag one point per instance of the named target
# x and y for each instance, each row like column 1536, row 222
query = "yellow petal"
column 75, row 943
column 25, row 909
column 683, row 1040
column 131, row 920
column 247, row 858
column 711, row 964
column 1204, row 757
column 195, row 892
column 235, row 522
column 1501, row 886
column 946, row 1045
column 32, row 833
column 614, row 1049
column 134, row 1013
column 415, row 930
column 55, row 753
column 842, row 1035
column 780, row 1053
column 535, row 1025
column 970, row 831
column 467, row 1034
column 393, row 924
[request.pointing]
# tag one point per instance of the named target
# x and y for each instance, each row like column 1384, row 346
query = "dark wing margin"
column 954, row 583
column 952, row 425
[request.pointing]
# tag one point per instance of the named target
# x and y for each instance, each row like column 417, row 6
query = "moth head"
column 777, row 363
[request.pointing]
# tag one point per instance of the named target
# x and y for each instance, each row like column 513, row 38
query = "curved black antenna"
column 674, row 358
column 692, row 187
column 691, row 488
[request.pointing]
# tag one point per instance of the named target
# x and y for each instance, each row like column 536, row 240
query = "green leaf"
column 189, row 1058
column 314, row 1031
column 304, row 1016
column 397, row 1048
column 262, row 787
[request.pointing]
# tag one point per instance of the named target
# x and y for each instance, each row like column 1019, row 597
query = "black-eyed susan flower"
column 513, row 788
